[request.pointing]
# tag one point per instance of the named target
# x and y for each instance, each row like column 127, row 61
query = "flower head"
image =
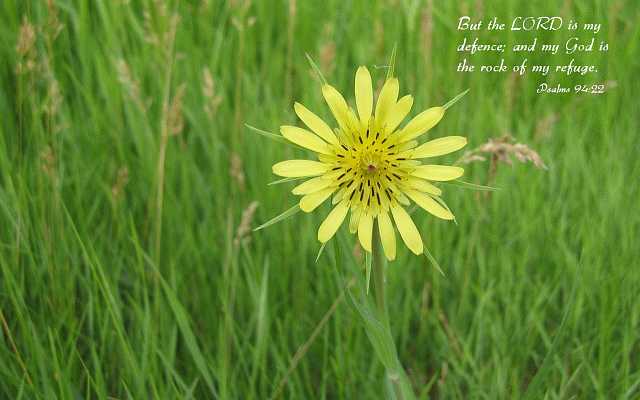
column 370, row 165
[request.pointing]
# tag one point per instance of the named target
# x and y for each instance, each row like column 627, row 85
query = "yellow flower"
column 371, row 166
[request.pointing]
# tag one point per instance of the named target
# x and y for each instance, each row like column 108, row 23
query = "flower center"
column 370, row 162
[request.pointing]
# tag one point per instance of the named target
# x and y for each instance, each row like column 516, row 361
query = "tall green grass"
column 108, row 291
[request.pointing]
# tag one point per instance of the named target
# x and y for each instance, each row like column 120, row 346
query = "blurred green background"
column 127, row 269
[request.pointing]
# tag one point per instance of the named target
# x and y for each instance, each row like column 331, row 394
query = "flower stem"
column 399, row 385
column 378, row 273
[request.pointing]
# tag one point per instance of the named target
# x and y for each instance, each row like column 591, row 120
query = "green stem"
column 400, row 387
column 378, row 273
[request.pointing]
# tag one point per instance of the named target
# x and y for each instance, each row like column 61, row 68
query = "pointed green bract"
column 316, row 69
column 471, row 186
column 392, row 61
column 285, row 180
column 367, row 265
column 267, row 134
column 455, row 99
column 292, row 211
column 432, row 260
column 320, row 251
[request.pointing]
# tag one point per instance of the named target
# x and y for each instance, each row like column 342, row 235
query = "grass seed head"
column 175, row 116
column 237, row 171
column 122, row 178
column 213, row 100
column 502, row 149
column 243, row 231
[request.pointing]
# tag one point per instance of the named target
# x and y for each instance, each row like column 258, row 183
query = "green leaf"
column 379, row 336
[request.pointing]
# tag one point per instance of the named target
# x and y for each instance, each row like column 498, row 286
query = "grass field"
column 127, row 269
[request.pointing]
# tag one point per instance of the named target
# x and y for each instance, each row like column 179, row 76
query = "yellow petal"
column 387, row 236
column 422, row 186
column 355, row 219
column 438, row 172
column 386, row 100
column 337, row 104
column 300, row 168
column 333, row 222
column 315, row 123
column 407, row 229
column 365, row 229
column 337, row 197
column 421, row 123
column 311, row 201
column 311, row 186
column 364, row 94
column 398, row 112
column 439, row 147
column 304, row 138
column 429, row 204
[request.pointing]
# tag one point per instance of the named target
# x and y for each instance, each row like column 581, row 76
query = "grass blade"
column 182, row 320
column 535, row 388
